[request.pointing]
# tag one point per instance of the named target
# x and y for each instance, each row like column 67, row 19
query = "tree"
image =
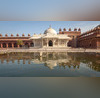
column 20, row 42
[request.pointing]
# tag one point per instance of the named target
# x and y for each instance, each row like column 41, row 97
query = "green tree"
column 20, row 42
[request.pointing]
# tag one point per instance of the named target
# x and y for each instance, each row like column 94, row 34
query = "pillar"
column 53, row 42
column 17, row 46
column 42, row 42
column 6, row 45
column 66, row 43
column 98, row 44
column 34, row 42
column 1, row 45
column 40, row 54
column 29, row 44
column 12, row 45
column 47, row 42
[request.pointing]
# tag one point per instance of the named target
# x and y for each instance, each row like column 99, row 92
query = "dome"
column 50, row 31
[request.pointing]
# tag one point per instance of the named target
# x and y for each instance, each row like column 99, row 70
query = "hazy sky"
column 49, row 10
column 34, row 16
column 14, row 27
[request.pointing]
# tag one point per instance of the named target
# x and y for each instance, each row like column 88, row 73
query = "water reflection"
column 53, row 60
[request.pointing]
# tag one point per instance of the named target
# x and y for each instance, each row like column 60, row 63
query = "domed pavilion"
column 50, row 38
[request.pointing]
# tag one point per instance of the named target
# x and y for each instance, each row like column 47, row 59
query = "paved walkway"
column 50, row 50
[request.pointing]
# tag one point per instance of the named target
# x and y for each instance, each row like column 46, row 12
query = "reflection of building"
column 90, row 39
column 50, row 38
column 54, row 59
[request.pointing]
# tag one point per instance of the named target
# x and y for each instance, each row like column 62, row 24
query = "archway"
column 9, row 45
column 4, row 45
column 26, row 45
column 50, row 43
column 15, row 45
column 32, row 45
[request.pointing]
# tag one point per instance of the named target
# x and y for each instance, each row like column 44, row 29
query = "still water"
column 50, row 65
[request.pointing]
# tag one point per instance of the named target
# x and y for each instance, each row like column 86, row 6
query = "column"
column 53, row 42
column 29, row 44
column 12, row 45
column 98, row 44
column 58, row 42
column 47, row 42
column 17, row 46
column 1, row 45
column 42, row 42
column 34, row 42
column 66, row 43
column 6, row 45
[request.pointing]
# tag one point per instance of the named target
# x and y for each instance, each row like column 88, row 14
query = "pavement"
column 49, row 50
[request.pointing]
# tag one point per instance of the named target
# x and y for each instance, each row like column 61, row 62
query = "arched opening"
column 9, row 45
column 26, row 45
column 4, row 45
column 32, row 45
column 15, row 45
column 50, row 43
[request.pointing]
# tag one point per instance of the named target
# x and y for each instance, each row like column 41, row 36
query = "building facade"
column 50, row 38
column 11, row 41
column 72, row 34
column 90, row 39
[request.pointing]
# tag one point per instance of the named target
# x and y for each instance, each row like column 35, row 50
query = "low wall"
column 2, row 51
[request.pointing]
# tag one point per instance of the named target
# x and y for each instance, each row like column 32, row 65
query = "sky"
column 35, row 16
column 20, row 27
column 49, row 10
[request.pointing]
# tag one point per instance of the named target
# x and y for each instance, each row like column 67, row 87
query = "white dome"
column 50, row 31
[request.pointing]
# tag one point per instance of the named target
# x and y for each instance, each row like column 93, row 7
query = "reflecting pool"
column 50, row 64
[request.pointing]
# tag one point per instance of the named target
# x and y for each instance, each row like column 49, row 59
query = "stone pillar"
column 47, row 42
column 34, row 42
column 66, row 43
column 98, row 44
column 58, row 42
column 40, row 54
column 42, row 42
column 53, row 42
column 1, row 45
column 12, row 45
column 29, row 44
column 17, row 46
column 6, row 45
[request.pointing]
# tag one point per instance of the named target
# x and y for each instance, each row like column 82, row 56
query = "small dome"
column 50, row 31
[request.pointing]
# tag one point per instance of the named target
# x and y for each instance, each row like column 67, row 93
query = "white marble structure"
column 50, row 38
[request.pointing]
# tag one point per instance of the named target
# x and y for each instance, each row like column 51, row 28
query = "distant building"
column 72, row 34
column 90, row 39
column 11, row 41
column 50, row 38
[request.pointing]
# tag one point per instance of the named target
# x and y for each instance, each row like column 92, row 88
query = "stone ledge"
column 49, row 50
